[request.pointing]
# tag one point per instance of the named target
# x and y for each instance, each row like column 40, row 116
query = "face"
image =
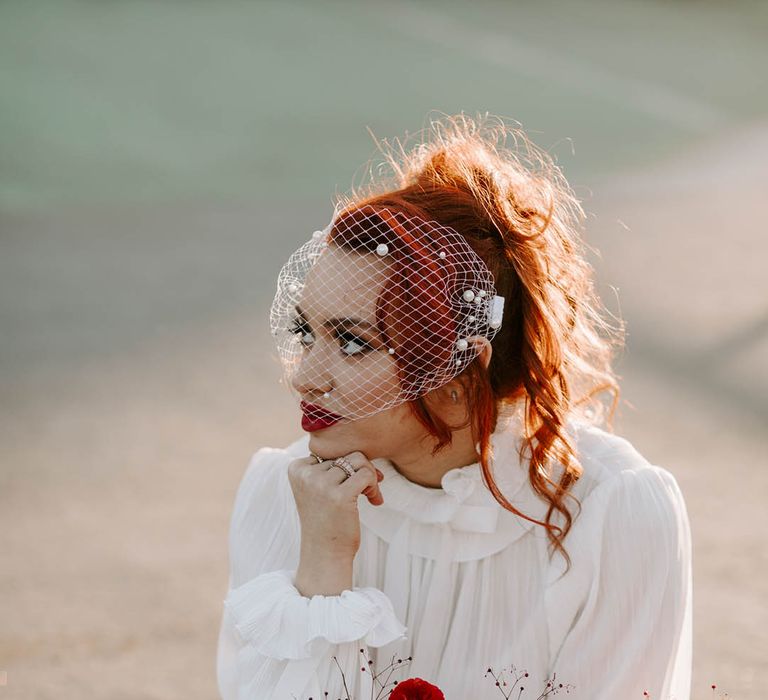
column 345, row 366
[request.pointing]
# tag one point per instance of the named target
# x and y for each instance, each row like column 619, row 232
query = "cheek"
column 383, row 432
column 367, row 390
column 394, row 426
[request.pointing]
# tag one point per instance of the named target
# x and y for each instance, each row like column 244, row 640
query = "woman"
column 445, row 342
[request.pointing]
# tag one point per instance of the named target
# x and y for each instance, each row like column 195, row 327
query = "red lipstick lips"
column 315, row 418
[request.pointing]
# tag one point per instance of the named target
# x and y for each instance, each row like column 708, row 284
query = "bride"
column 451, row 362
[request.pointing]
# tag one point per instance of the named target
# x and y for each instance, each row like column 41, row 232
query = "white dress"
column 450, row 578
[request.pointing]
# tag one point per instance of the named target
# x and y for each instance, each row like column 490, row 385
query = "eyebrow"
column 339, row 321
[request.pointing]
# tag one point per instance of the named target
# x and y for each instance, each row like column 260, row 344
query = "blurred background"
column 158, row 163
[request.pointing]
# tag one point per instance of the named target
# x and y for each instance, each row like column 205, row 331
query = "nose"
column 312, row 376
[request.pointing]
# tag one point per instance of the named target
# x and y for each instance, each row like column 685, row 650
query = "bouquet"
column 419, row 689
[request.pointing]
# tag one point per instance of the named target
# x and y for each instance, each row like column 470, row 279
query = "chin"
column 330, row 444
column 323, row 444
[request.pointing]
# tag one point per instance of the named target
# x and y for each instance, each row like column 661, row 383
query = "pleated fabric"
column 450, row 578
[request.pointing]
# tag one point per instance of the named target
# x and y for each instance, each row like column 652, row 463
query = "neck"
column 416, row 462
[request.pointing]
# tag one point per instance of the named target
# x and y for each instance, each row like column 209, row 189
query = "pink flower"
column 416, row 689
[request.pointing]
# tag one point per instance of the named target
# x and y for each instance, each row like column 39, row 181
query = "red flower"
column 416, row 689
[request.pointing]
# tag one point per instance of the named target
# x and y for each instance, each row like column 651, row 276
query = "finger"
column 361, row 483
column 372, row 492
column 309, row 460
column 369, row 485
column 357, row 461
column 334, row 473
column 302, row 464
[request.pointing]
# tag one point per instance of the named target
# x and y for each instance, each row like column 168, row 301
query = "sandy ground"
column 121, row 451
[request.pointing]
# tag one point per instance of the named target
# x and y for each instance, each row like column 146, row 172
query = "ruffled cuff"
column 270, row 614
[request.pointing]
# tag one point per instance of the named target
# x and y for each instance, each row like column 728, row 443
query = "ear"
column 484, row 349
column 444, row 393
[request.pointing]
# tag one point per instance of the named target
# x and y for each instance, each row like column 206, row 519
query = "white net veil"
column 379, row 309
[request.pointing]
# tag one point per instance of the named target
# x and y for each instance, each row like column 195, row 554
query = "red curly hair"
column 554, row 348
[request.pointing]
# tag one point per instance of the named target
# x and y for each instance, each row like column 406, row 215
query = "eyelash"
column 302, row 328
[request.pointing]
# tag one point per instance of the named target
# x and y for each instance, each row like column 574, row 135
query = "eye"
column 302, row 329
column 352, row 345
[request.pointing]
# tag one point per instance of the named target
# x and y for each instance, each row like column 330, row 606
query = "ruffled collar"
column 463, row 501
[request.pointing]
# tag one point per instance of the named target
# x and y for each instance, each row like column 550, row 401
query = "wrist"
column 324, row 576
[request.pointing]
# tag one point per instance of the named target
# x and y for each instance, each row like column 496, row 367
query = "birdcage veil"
column 432, row 302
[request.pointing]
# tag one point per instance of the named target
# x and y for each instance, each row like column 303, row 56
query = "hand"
column 326, row 500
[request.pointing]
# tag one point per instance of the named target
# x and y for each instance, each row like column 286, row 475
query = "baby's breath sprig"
column 395, row 665
column 553, row 687
column 389, row 670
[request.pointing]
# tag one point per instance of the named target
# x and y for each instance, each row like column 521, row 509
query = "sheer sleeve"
column 274, row 642
column 633, row 632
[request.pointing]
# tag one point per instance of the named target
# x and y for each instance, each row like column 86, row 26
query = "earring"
column 454, row 396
